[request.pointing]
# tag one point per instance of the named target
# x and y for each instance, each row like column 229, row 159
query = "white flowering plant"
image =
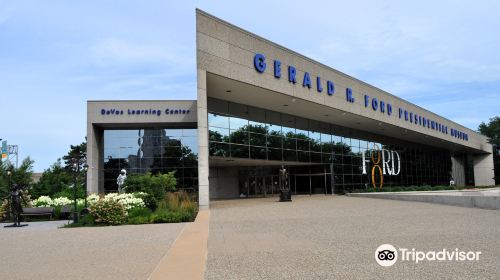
column 43, row 201
column 61, row 201
column 92, row 198
column 128, row 200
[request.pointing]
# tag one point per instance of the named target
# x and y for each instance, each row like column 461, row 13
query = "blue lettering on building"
column 292, row 72
column 318, row 84
column 307, row 80
column 277, row 69
column 330, row 87
column 259, row 61
column 111, row 112
column 150, row 111
column 260, row 66
column 374, row 104
column 348, row 95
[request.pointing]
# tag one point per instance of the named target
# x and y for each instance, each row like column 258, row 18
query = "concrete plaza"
column 313, row 237
column 325, row 237
column 44, row 251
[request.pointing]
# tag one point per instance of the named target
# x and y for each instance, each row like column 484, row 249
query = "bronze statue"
column 285, row 193
column 16, row 207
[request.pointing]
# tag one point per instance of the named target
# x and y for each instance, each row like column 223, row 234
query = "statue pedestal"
column 285, row 196
column 14, row 225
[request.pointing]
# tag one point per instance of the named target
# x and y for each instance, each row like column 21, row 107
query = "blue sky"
column 440, row 55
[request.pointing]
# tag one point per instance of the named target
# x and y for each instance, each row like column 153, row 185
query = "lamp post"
column 9, row 175
column 85, row 168
column 76, row 169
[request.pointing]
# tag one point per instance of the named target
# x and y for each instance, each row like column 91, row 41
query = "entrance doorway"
column 264, row 181
column 259, row 186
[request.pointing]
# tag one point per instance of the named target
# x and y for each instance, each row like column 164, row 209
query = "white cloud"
column 117, row 51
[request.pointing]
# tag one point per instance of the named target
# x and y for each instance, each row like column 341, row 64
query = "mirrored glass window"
column 150, row 150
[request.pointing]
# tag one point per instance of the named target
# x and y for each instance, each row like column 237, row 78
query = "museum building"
column 261, row 106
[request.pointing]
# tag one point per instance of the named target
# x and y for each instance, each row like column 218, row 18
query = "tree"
column 76, row 152
column 54, row 179
column 492, row 130
column 58, row 179
column 21, row 175
column 154, row 185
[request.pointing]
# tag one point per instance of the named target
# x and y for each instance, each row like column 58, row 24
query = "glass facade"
column 151, row 150
column 296, row 141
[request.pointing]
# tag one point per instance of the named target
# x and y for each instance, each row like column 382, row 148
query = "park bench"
column 66, row 211
column 38, row 211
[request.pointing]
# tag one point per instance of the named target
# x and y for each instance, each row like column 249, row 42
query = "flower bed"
column 116, row 209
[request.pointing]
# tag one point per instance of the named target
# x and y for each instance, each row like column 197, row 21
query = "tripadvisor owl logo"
column 383, row 162
column 386, row 255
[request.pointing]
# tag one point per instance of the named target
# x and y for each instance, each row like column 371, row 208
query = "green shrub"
column 155, row 185
column 69, row 192
column 85, row 221
column 409, row 189
column 139, row 220
column 171, row 217
column 108, row 212
column 149, row 200
column 139, row 212
column 440, row 188
column 4, row 210
column 425, row 188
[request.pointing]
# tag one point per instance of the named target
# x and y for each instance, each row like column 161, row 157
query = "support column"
column 458, row 170
column 484, row 174
column 94, row 156
column 203, row 183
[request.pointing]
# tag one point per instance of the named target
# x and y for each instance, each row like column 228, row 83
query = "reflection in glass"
column 237, row 123
column 283, row 141
column 150, row 150
column 218, row 120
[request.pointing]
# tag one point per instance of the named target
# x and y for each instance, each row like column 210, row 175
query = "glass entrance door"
column 259, row 186
column 272, row 185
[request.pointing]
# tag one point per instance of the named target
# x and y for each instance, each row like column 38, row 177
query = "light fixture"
column 379, row 123
column 293, row 99
column 343, row 114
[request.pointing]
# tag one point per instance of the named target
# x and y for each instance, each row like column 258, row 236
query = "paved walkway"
column 42, row 251
column 187, row 257
column 325, row 237
column 479, row 198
